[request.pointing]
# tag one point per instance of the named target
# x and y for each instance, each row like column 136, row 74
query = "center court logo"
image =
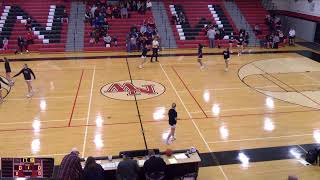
column 127, row 90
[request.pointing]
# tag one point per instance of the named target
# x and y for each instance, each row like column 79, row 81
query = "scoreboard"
column 26, row 167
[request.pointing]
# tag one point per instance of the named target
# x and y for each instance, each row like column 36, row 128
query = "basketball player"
column 226, row 56
column 155, row 49
column 144, row 55
column 172, row 122
column 200, row 55
column 2, row 81
column 8, row 70
column 27, row 72
column 240, row 45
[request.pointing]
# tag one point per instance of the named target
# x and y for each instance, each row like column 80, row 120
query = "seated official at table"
column 154, row 167
column 70, row 167
column 128, row 169
column 93, row 170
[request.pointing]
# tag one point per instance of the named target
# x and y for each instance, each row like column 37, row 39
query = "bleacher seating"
column 49, row 33
column 197, row 15
column 254, row 14
column 117, row 27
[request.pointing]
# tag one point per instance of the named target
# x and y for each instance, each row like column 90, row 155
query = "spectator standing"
column 29, row 39
column 127, row 169
column 292, row 36
column 155, row 49
column 28, row 24
column 92, row 170
column 20, row 44
column 5, row 43
column 211, row 35
column 70, row 167
column 154, row 167
column 276, row 41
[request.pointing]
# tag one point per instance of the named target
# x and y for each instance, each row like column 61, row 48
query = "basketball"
column 169, row 152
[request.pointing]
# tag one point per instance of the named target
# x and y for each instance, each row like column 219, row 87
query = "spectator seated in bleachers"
column 149, row 5
column 107, row 40
column 257, row 30
column 115, row 41
column 100, row 13
column 64, row 17
column 124, row 12
column 93, row 170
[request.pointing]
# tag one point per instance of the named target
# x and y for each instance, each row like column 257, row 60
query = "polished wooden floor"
column 262, row 101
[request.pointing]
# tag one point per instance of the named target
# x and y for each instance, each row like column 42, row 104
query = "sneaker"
column 140, row 66
column 29, row 95
column 226, row 69
column 167, row 143
column 174, row 138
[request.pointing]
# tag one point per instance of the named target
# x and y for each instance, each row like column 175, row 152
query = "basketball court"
column 103, row 104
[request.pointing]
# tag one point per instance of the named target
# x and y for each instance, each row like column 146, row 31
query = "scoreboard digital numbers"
column 26, row 167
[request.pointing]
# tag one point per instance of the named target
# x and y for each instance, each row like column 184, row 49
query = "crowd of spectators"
column 138, row 38
column 275, row 34
column 100, row 13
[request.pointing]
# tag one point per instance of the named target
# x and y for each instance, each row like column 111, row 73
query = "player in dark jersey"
column 172, row 122
column 226, row 56
column 144, row 55
column 240, row 44
column 200, row 55
column 8, row 70
column 27, row 72
column 2, row 81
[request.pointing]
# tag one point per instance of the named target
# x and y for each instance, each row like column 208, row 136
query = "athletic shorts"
column 173, row 126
